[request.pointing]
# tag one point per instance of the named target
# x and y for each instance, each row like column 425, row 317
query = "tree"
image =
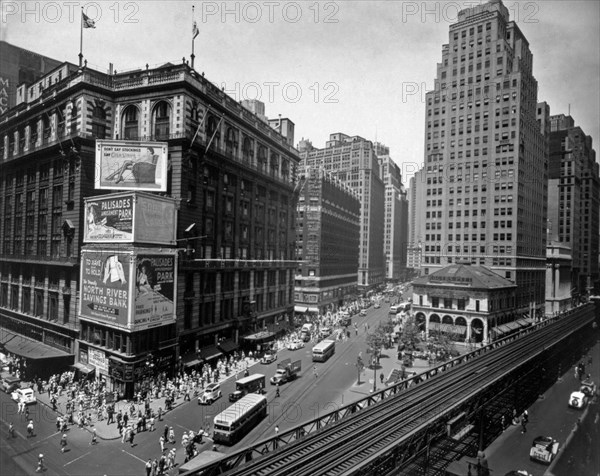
column 410, row 333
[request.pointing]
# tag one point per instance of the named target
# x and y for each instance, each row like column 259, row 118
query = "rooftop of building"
column 464, row 274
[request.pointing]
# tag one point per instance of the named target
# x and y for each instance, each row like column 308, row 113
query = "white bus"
column 232, row 424
column 323, row 350
column 404, row 306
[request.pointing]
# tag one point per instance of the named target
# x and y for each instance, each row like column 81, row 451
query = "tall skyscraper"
column 416, row 219
column 574, row 168
column 485, row 159
column 353, row 160
column 396, row 216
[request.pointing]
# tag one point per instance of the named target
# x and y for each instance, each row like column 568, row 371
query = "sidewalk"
column 105, row 431
column 388, row 362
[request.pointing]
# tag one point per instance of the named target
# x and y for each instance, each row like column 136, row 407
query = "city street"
column 300, row 401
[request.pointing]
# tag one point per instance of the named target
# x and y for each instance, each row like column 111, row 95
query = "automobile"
column 295, row 344
column 10, row 384
column 211, row 393
column 346, row 321
column 363, row 312
column 325, row 332
column 235, row 396
column 578, row 400
column 24, row 395
column 588, row 387
column 270, row 356
column 377, row 305
column 543, row 449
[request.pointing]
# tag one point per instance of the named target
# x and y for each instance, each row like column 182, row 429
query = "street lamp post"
column 374, row 372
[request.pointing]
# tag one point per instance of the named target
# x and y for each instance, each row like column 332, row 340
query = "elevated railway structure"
column 419, row 426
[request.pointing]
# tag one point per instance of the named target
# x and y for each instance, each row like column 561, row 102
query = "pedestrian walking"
column 148, row 467
column 151, row 423
column 155, row 467
column 40, row 465
column 160, row 413
column 525, row 417
column 26, row 413
column 63, row 443
column 131, row 437
column 166, row 432
column 161, row 440
column 94, row 437
column 276, row 430
column 171, row 436
column 30, row 429
column 11, row 430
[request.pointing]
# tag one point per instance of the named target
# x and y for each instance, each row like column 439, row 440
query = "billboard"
column 132, row 290
column 130, row 217
column 131, row 165
column 154, row 290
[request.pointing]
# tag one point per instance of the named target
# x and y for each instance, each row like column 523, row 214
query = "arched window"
column 274, row 163
column 130, row 123
column 231, row 141
column 262, row 154
column 212, row 125
column 161, row 120
column 247, row 149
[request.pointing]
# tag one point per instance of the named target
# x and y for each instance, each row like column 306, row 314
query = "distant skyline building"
column 395, row 239
column 19, row 66
column 574, row 170
column 353, row 160
column 485, row 157
column 327, row 235
column 417, row 201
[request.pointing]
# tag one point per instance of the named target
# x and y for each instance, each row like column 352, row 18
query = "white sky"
column 360, row 67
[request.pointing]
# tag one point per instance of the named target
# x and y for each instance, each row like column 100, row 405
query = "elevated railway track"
column 405, row 422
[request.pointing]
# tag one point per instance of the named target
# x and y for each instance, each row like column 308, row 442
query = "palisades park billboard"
column 132, row 290
column 131, row 165
column 130, row 217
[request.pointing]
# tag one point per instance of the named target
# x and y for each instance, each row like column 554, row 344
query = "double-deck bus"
column 233, row 423
column 323, row 350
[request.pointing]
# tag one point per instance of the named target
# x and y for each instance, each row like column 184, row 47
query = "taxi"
column 543, row 449
column 24, row 395
column 578, row 400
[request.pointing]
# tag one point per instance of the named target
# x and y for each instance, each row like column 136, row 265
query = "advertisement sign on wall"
column 105, row 286
column 130, row 217
column 129, row 289
column 98, row 359
column 155, row 289
column 131, row 165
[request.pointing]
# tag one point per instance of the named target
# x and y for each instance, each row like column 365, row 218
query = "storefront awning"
column 448, row 328
column 259, row 337
column 228, row 345
column 313, row 309
column 210, row 352
column 191, row 363
column 84, row 368
column 31, row 349
column 300, row 309
column 524, row 322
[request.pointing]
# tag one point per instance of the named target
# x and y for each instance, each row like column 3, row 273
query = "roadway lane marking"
column 130, row 454
column 50, row 436
column 79, row 457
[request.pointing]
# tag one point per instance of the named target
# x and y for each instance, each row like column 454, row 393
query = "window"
column 161, row 120
column 99, row 122
column 130, row 123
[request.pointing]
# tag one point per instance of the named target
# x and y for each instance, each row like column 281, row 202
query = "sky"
column 357, row 67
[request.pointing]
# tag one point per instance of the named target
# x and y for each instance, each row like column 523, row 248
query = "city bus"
column 254, row 383
column 404, row 306
column 323, row 350
column 233, row 423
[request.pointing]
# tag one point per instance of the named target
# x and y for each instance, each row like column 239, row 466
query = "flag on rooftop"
column 88, row 22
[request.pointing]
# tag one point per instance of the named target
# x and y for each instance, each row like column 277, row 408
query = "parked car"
column 578, row 400
column 270, row 356
column 10, row 384
column 295, row 344
column 24, row 395
column 377, row 305
column 211, row 393
column 543, row 449
column 363, row 312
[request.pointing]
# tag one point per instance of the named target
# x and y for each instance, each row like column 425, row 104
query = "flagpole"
column 193, row 37
column 81, row 39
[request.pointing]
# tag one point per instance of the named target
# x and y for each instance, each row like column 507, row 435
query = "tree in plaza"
column 375, row 341
column 410, row 333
